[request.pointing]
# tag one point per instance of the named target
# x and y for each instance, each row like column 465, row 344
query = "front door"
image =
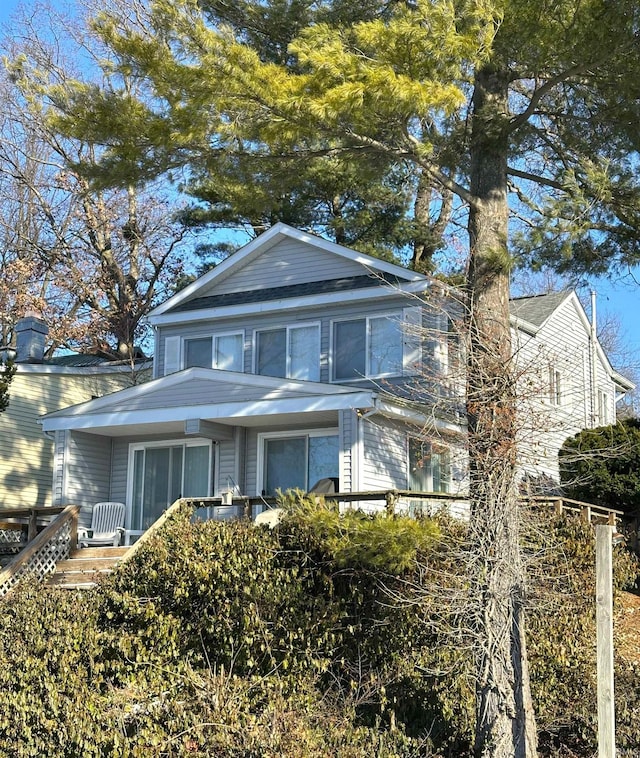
column 164, row 472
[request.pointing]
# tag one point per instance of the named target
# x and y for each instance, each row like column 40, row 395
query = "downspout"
column 593, row 360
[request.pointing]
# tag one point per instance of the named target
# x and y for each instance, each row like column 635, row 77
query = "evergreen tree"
column 525, row 113
column 7, row 372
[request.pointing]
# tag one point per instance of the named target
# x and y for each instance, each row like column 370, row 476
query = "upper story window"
column 222, row 351
column 367, row 347
column 198, row 352
column 292, row 352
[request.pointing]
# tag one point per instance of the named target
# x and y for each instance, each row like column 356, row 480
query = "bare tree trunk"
column 505, row 726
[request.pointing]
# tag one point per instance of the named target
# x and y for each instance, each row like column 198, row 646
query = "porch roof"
column 164, row 405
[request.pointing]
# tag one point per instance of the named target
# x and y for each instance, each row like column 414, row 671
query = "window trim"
column 605, row 417
column 288, row 328
column 397, row 316
column 555, row 389
column 264, row 436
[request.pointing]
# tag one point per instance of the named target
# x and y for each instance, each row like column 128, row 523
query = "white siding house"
column 566, row 382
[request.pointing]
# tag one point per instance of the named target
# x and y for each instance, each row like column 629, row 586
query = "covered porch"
column 204, row 433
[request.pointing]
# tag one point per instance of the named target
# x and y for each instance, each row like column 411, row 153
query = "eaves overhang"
column 221, row 412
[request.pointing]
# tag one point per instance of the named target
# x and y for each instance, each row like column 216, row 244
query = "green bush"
column 332, row 635
column 602, row 466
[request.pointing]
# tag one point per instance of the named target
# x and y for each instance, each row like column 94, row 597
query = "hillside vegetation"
column 330, row 636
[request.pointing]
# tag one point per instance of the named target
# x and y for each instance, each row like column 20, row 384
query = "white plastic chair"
column 107, row 525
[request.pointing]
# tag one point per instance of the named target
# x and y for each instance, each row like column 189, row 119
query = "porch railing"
column 41, row 551
column 406, row 501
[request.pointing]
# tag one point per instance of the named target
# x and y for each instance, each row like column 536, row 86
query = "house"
column 40, row 386
column 565, row 380
column 294, row 360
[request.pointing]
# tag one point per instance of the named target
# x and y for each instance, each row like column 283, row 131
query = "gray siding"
column 120, row 463
column 384, row 456
column 226, row 476
column 88, row 472
column 197, row 393
column 348, row 450
column 287, row 263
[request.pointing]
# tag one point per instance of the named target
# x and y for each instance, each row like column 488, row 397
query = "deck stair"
column 85, row 566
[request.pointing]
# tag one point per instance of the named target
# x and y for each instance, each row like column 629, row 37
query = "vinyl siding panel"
column 26, row 455
column 88, row 472
column 561, row 345
column 119, row 467
column 384, row 456
column 197, row 393
column 288, row 262
column 348, row 448
column 226, row 476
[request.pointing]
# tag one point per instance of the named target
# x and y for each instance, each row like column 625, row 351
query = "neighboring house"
column 294, row 360
column 38, row 387
column 566, row 382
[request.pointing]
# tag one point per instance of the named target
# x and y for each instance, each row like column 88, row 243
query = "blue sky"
column 616, row 297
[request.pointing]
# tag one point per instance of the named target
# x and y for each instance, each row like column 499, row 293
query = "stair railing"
column 40, row 556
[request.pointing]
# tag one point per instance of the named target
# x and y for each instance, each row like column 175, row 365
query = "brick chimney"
column 31, row 335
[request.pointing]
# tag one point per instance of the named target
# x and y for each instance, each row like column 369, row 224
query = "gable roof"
column 536, row 309
column 380, row 272
column 213, row 394
column 533, row 312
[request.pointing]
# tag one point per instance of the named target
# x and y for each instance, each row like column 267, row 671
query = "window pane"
column 419, row 466
column 229, row 352
column 138, row 476
column 285, row 464
column 324, row 457
column 163, row 474
column 349, row 349
column 156, row 485
column 175, row 483
column 304, row 351
column 385, row 346
column 271, row 352
column 429, row 467
column 196, row 471
column 197, row 353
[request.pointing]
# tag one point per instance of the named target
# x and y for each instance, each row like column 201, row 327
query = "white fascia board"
column 267, row 240
column 305, row 301
column 523, row 326
column 295, row 405
column 622, row 382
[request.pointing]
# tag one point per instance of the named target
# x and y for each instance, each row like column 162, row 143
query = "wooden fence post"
column 604, row 641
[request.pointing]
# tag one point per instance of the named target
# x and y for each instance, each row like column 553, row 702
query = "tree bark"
column 505, row 726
